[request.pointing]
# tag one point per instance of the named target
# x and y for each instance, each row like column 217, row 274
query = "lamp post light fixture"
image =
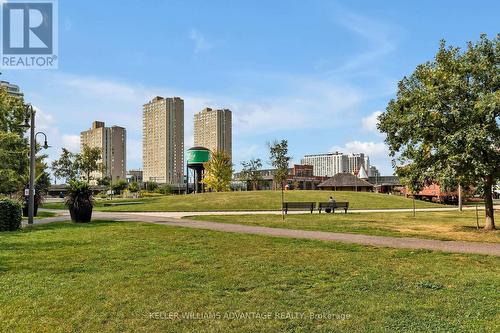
column 29, row 122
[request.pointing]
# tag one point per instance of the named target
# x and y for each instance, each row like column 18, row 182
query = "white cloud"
column 200, row 43
column 71, row 142
column 370, row 122
column 372, row 149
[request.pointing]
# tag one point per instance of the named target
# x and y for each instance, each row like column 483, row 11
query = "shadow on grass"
column 58, row 226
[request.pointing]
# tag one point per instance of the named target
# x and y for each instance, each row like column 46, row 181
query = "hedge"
column 10, row 215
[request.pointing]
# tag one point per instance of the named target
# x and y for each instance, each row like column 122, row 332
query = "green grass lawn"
column 42, row 214
column 255, row 200
column 130, row 277
column 448, row 225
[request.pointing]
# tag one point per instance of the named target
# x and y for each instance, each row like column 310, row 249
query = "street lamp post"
column 30, row 116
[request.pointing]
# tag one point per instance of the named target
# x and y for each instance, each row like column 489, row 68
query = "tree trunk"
column 488, row 204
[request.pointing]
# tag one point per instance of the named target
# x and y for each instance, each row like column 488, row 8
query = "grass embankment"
column 254, row 200
column 448, row 225
column 106, row 276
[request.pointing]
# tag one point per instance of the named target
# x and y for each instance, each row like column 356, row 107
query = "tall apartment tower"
column 356, row 161
column 163, row 140
column 12, row 89
column 213, row 130
column 113, row 144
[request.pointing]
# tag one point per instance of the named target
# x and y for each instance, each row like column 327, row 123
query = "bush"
column 164, row 189
column 147, row 194
column 10, row 215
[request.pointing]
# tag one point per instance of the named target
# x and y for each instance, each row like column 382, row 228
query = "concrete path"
column 393, row 242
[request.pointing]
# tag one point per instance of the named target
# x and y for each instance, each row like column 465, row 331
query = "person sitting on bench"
column 331, row 206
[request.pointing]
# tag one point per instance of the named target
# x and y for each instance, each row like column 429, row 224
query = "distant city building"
column 163, row 140
column 300, row 177
column 112, row 142
column 330, row 164
column 356, row 161
column 12, row 89
column 134, row 176
column 326, row 165
column 213, row 130
column 373, row 171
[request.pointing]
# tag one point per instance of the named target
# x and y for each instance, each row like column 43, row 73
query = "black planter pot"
column 25, row 210
column 81, row 214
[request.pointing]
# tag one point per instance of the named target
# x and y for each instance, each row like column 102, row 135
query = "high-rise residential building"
column 12, row 89
column 163, row 140
column 113, row 144
column 356, row 161
column 213, row 130
column 326, row 164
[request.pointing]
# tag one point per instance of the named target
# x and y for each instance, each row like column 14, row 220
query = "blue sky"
column 315, row 72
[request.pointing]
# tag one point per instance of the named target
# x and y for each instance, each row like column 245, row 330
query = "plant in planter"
column 79, row 201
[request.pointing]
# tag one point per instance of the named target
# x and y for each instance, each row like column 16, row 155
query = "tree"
column 119, row 186
column 133, row 187
column 87, row 162
column 251, row 172
column 218, row 172
column 104, row 181
column 13, row 147
column 278, row 152
column 13, row 162
column 65, row 167
column 12, row 113
column 151, row 186
column 443, row 125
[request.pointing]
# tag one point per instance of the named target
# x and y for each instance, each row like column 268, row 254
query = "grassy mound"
column 256, row 200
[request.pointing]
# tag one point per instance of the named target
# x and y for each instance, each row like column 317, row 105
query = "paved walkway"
column 394, row 242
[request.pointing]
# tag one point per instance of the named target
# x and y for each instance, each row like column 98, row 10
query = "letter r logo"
column 27, row 27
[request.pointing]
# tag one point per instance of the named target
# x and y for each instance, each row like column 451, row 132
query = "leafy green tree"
column 251, row 172
column 280, row 160
column 218, row 172
column 14, row 164
column 151, row 186
column 12, row 113
column 13, row 147
column 119, row 186
column 164, row 189
column 65, row 167
column 87, row 162
column 104, row 181
column 444, row 123
column 133, row 187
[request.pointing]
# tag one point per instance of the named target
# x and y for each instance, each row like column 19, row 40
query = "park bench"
column 304, row 206
column 333, row 206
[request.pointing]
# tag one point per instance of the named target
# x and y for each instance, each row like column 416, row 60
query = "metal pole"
column 459, row 197
column 31, row 200
column 414, row 214
column 282, row 200
column 477, row 218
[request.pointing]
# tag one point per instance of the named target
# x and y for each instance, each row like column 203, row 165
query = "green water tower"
column 196, row 157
